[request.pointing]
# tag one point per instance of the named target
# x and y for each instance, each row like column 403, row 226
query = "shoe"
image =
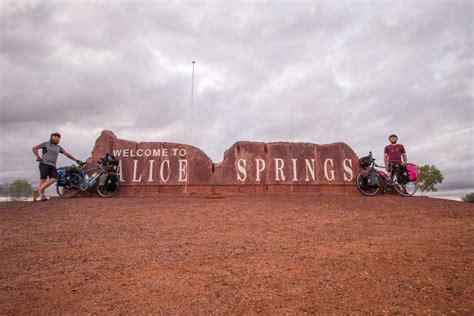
column 35, row 195
column 44, row 197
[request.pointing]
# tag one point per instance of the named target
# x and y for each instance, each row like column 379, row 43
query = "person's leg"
column 46, row 184
column 43, row 169
column 52, row 175
column 36, row 191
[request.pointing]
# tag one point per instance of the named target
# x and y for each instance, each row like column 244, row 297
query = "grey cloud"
column 319, row 72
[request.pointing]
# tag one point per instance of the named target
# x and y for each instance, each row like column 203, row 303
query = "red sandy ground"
column 257, row 254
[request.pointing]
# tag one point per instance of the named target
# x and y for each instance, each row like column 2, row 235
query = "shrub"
column 469, row 198
column 428, row 178
column 19, row 189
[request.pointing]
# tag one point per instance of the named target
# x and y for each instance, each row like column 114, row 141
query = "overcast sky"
column 321, row 72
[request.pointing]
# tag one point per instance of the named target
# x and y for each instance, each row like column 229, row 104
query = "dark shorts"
column 47, row 171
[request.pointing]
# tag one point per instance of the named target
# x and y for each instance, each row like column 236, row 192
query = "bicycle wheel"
column 362, row 186
column 70, row 190
column 108, row 187
column 407, row 189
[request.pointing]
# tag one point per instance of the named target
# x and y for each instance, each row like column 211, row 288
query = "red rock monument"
column 248, row 167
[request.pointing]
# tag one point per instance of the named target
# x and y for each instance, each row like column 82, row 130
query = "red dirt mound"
column 269, row 254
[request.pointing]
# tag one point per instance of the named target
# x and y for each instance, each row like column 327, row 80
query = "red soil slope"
column 268, row 254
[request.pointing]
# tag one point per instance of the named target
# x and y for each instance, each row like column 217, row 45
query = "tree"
column 469, row 198
column 19, row 189
column 428, row 178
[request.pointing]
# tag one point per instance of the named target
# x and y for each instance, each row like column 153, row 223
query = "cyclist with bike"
column 394, row 154
column 47, row 163
column 401, row 175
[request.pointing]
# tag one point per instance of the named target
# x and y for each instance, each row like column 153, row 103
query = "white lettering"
column 162, row 170
column 295, row 170
column 164, row 152
column 309, row 169
column 175, row 151
column 117, row 152
column 241, row 171
column 331, row 178
column 120, row 171
column 183, row 172
column 348, row 169
column 148, row 152
column 126, row 152
column 156, row 152
column 182, row 152
column 135, row 165
column 279, row 164
column 150, row 174
column 260, row 163
column 140, row 152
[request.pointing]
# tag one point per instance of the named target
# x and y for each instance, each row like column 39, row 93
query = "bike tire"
column 73, row 188
column 408, row 189
column 67, row 193
column 107, row 191
column 362, row 188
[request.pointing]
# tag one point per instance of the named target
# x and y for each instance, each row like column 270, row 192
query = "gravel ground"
column 240, row 254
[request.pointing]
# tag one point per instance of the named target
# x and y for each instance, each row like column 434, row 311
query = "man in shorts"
column 47, row 163
column 394, row 154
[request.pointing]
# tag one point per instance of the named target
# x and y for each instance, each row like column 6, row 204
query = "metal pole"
column 190, row 127
column 192, row 105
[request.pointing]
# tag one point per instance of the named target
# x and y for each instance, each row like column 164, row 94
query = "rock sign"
column 248, row 167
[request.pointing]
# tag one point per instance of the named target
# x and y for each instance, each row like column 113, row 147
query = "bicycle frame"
column 388, row 178
column 88, row 182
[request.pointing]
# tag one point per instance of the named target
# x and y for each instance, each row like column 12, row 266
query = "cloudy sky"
column 322, row 72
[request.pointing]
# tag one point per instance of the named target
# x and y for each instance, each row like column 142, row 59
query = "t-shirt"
column 50, row 153
column 394, row 153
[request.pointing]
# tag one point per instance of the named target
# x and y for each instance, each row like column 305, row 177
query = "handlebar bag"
column 365, row 161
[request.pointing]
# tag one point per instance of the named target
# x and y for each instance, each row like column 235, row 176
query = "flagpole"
column 192, row 106
column 190, row 127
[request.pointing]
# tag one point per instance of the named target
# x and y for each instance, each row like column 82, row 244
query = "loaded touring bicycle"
column 76, row 178
column 371, row 179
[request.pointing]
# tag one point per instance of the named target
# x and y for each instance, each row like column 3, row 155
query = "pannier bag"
column 402, row 175
column 65, row 174
column 372, row 179
column 103, row 180
column 62, row 176
column 365, row 161
column 412, row 171
column 108, row 181
column 110, row 163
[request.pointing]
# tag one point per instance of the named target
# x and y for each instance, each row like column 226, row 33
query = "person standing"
column 47, row 163
column 394, row 154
